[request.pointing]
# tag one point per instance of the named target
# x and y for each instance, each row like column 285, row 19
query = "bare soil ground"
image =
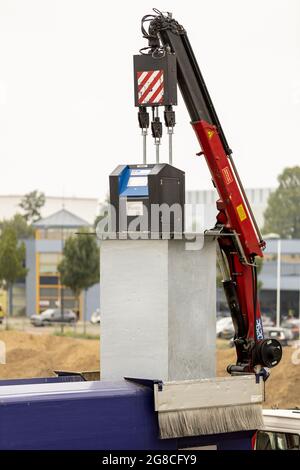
column 38, row 355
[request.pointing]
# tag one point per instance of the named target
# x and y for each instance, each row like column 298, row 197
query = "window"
column 261, row 195
column 56, row 233
column 292, row 258
column 49, row 280
column 71, row 304
column 49, row 262
column 68, row 292
column 46, row 292
column 271, row 440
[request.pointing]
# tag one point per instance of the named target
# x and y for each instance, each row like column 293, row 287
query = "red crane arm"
column 239, row 249
column 240, row 240
column 231, row 203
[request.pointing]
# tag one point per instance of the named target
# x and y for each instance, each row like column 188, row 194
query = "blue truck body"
column 69, row 413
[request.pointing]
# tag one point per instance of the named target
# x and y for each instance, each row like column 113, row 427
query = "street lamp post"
column 299, row 314
column 278, row 282
column 62, row 300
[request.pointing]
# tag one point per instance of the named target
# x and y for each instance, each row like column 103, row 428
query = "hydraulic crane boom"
column 239, row 240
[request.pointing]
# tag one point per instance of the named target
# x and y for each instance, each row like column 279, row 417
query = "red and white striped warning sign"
column 150, row 87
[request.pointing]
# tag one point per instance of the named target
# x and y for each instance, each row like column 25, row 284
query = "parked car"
column 222, row 314
column 53, row 315
column 95, row 317
column 281, row 334
column 267, row 321
column 293, row 325
column 224, row 328
column 281, row 430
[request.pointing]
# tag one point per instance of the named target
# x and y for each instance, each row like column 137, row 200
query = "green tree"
column 103, row 211
column 80, row 265
column 282, row 215
column 32, row 204
column 19, row 224
column 12, row 262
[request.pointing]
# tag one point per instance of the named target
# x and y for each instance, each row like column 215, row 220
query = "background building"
column 42, row 288
column 258, row 198
column 86, row 208
column 289, row 278
column 290, row 255
column 43, row 258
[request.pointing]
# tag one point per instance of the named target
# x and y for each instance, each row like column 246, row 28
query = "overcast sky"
column 66, row 90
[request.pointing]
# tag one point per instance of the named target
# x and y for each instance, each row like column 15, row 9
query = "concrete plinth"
column 158, row 309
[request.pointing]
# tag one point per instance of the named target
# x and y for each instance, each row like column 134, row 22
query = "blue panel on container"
column 123, row 179
column 133, row 183
column 135, row 191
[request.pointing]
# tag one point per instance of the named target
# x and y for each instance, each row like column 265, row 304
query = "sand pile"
column 38, row 355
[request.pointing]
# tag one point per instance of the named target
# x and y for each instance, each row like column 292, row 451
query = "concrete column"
column 158, row 309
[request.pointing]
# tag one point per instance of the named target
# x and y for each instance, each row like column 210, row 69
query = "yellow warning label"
column 210, row 134
column 241, row 212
